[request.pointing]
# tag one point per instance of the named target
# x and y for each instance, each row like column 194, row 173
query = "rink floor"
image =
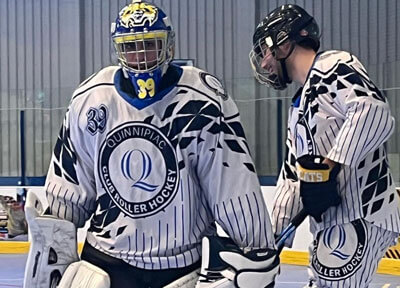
column 12, row 273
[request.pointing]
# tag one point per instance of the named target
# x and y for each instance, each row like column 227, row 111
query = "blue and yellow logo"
column 138, row 14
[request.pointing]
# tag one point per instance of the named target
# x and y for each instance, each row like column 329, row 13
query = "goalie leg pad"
column 187, row 281
column 53, row 248
column 83, row 274
column 222, row 283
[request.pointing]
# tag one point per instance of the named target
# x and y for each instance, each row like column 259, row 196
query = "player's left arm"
column 368, row 122
column 228, row 178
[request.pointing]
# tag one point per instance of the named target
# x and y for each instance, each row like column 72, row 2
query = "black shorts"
column 123, row 275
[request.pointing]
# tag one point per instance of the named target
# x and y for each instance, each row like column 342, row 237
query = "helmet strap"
column 124, row 71
column 285, row 76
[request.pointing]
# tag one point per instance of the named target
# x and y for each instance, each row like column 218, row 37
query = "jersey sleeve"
column 367, row 119
column 70, row 186
column 228, row 178
column 287, row 198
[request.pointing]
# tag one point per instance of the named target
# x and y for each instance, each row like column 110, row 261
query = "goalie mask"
column 285, row 23
column 144, row 42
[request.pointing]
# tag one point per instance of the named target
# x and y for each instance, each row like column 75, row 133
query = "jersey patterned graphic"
column 341, row 115
column 155, row 178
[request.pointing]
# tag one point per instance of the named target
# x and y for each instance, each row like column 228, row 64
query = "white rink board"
column 301, row 241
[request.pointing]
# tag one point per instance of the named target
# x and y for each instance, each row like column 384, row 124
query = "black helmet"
column 286, row 22
column 282, row 24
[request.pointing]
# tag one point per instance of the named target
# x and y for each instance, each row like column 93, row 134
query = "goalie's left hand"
column 257, row 268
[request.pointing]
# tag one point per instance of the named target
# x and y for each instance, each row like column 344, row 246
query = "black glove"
column 318, row 186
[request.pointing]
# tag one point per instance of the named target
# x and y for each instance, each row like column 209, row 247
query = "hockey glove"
column 318, row 186
column 222, row 257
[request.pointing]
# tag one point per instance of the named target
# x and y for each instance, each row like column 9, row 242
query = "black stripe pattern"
column 217, row 180
column 343, row 116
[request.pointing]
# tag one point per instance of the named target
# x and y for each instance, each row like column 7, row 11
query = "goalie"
column 153, row 154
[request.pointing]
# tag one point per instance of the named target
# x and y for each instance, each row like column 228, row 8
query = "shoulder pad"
column 105, row 75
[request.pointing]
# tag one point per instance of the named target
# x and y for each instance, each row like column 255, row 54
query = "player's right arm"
column 70, row 184
column 287, row 198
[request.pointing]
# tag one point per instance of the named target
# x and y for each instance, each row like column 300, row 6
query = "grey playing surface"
column 12, row 273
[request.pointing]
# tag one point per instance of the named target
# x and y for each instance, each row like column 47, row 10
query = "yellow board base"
column 386, row 266
column 393, row 252
column 21, row 247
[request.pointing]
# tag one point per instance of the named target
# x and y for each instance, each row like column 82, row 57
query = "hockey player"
column 336, row 165
column 154, row 154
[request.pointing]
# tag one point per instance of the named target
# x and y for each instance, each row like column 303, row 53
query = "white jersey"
column 340, row 114
column 155, row 174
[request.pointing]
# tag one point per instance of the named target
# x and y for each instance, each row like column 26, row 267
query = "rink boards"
column 296, row 255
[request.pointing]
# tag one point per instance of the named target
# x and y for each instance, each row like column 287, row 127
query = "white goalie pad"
column 187, row 281
column 53, row 246
column 83, row 274
column 33, row 206
column 222, row 283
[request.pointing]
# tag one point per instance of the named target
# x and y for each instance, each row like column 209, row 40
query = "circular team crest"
column 339, row 250
column 138, row 169
column 213, row 84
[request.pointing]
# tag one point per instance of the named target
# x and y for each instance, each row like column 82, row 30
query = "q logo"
column 136, row 166
column 339, row 250
column 340, row 241
column 138, row 169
